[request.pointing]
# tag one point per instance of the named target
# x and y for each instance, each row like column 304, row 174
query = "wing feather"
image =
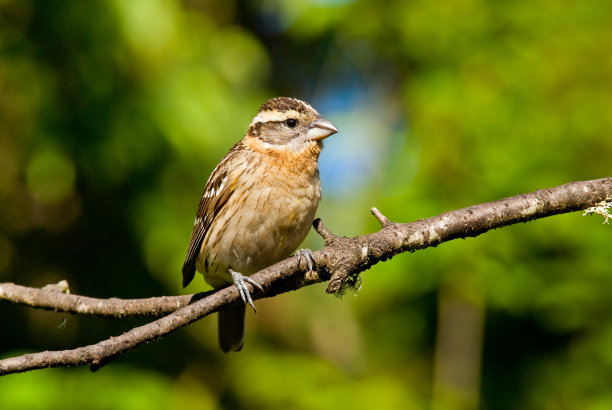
column 216, row 193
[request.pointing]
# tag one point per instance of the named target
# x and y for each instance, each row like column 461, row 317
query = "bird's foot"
column 308, row 256
column 240, row 281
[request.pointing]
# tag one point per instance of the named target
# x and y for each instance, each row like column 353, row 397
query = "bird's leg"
column 240, row 282
column 308, row 255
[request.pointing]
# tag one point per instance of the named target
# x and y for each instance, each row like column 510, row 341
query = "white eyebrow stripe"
column 266, row 116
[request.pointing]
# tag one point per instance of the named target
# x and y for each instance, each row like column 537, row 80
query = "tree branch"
column 57, row 297
column 344, row 257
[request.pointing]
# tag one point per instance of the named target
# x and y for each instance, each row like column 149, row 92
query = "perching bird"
column 258, row 204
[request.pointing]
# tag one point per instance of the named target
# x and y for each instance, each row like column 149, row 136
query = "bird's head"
column 289, row 123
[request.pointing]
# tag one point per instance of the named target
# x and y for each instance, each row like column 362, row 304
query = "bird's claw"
column 308, row 256
column 240, row 281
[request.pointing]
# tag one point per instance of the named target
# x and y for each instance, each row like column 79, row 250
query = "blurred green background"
column 114, row 113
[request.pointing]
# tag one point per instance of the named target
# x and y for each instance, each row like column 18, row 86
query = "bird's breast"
column 265, row 219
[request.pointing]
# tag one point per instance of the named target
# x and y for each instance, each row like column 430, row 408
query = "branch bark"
column 341, row 261
column 57, row 297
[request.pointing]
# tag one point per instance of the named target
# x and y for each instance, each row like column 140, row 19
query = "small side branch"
column 384, row 221
column 326, row 234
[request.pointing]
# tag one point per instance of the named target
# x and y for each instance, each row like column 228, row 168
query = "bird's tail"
column 231, row 328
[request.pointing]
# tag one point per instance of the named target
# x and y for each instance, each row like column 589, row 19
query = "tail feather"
column 231, row 328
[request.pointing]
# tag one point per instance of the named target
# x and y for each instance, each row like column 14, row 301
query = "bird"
column 258, row 205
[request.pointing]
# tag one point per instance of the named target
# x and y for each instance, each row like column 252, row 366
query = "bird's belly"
column 273, row 221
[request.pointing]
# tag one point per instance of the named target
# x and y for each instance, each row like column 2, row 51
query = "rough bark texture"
column 341, row 260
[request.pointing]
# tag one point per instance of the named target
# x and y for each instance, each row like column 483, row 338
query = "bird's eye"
column 291, row 122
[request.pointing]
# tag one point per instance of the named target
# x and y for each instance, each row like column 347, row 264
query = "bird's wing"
column 216, row 193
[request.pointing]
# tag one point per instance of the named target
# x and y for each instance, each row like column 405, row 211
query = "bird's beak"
column 321, row 129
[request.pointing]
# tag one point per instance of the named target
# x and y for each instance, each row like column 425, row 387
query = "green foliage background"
column 113, row 114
